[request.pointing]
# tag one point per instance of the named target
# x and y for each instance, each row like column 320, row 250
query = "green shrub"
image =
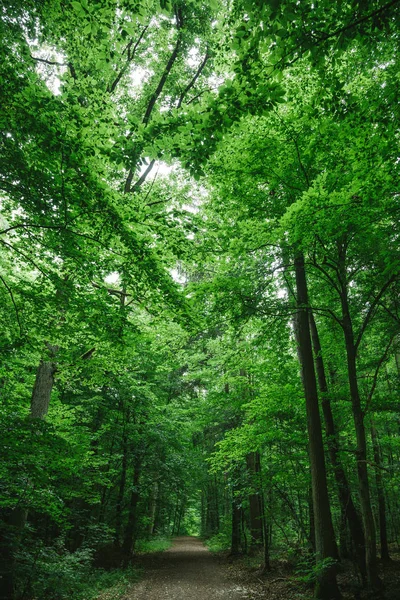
column 219, row 542
column 156, row 544
column 54, row 573
column 308, row 571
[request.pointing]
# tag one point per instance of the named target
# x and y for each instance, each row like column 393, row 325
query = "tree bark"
column 326, row 549
column 153, row 507
column 130, row 531
column 15, row 519
column 385, row 556
column 255, row 500
column 236, row 518
column 373, row 579
column 349, row 511
column 121, row 492
column 42, row 389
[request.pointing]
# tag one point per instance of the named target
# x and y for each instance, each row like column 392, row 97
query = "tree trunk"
column 266, row 536
column 255, row 500
column 362, row 472
column 42, row 389
column 326, row 549
column 311, row 519
column 381, row 496
column 180, row 515
column 121, row 492
column 153, row 507
column 130, row 531
column 236, row 518
column 349, row 511
column 16, row 518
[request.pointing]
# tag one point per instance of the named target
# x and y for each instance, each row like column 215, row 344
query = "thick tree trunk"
column 326, row 549
column 255, row 500
column 385, row 556
column 362, row 471
column 42, row 389
column 349, row 511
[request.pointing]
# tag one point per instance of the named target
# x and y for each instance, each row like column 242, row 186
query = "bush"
column 156, row 544
column 219, row 542
column 308, row 571
column 54, row 573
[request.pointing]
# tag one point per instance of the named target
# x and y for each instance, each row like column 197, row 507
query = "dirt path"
column 187, row 571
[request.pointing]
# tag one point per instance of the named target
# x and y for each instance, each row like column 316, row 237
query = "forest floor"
column 188, row 571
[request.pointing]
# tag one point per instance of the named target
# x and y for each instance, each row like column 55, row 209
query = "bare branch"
column 49, row 62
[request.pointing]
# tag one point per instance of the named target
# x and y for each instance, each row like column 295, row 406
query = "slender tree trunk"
column 362, row 471
column 216, row 498
column 266, row 536
column 326, row 586
column 236, row 518
column 349, row 511
column 121, row 491
column 180, row 515
column 130, row 531
column 255, row 501
column 153, row 507
column 385, row 556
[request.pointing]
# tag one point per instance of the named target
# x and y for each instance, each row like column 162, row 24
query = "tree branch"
column 129, row 59
column 375, row 377
column 14, row 303
column 371, row 310
column 143, row 177
column 49, row 62
column 156, row 94
column 194, row 79
column 28, row 258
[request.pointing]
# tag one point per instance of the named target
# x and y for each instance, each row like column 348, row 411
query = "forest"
column 199, row 292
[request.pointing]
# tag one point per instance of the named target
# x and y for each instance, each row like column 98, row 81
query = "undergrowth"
column 218, row 543
column 157, row 544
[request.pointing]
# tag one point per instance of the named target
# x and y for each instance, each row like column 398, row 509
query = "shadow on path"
column 184, row 572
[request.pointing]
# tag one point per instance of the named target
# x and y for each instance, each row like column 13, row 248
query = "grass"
column 158, row 544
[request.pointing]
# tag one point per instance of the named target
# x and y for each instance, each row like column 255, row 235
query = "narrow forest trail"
column 184, row 572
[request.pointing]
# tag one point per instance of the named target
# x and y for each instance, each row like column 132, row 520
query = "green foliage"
column 162, row 165
column 57, row 574
column 219, row 542
column 155, row 544
column 309, row 571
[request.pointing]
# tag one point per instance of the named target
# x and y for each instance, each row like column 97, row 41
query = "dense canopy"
column 199, row 287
